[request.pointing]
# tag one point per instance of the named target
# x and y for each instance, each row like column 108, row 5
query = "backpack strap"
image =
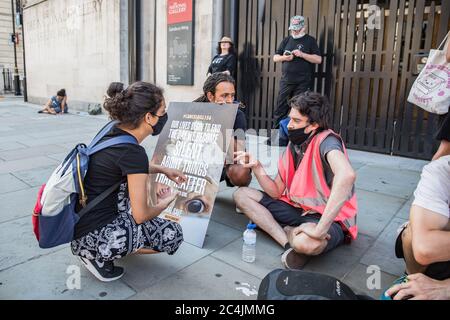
column 102, row 133
column 126, row 139
column 99, row 199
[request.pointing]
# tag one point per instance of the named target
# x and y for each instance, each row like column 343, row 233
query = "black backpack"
column 301, row 285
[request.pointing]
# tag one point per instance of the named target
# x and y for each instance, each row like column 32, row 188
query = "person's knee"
column 406, row 235
column 302, row 243
column 177, row 237
column 444, row 150
column 239, row 176
column 420, row 251
column 412, row 253
column 446, row 145
column 179, row 233
column 242, row 196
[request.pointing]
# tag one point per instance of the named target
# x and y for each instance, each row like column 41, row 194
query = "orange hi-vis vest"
column 307, row 188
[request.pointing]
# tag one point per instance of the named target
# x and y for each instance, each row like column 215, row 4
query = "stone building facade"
column 83, row 45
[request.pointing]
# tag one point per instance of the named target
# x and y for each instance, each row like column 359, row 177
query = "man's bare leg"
column 146, row 251
column 48, row 110
column 247, row 200
column 304, row 244
column 412, row 266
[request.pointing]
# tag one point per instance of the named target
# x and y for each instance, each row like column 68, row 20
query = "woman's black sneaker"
column 104, row 271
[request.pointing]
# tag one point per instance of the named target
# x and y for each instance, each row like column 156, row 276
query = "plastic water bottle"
column 249, row 245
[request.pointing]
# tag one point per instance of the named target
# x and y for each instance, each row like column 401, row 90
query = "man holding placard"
column 220, row 88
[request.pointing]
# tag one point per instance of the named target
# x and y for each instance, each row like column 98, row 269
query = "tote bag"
column 431, row 90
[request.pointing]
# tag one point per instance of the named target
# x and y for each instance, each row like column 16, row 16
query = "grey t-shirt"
column 329, row 144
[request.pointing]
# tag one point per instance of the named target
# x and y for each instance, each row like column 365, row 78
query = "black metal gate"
column 7, row 80
column 370, row 50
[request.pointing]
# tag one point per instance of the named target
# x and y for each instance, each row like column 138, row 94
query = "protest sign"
column 195, row 141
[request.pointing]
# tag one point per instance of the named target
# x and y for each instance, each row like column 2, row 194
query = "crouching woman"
column 124, row 223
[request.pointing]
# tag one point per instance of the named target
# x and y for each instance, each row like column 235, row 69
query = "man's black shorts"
column 438, row 271
column 287, row 215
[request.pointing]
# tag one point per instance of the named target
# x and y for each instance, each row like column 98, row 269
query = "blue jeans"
column 284, row 135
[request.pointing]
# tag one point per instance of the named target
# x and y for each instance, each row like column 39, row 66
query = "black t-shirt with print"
column 298, row 70
column 223, row 63
column 106, row 168
column 241, row 121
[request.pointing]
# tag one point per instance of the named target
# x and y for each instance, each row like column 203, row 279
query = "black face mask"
column 298, row 136
column 159, row 126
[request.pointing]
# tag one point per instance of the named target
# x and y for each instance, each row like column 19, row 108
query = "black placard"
column 180, row 57
column 180, row 42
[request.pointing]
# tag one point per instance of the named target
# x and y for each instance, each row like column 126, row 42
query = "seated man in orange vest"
column 312, row 196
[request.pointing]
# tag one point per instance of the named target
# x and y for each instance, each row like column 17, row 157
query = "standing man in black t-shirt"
column 298, row 53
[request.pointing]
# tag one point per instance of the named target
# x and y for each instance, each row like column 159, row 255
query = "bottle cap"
column 251, row 226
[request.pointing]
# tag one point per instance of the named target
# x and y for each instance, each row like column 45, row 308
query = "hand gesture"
column 310, row 229
column 246, row 160
column 288, row 58
column 164, row 203
column 175, row 175
column 419, row 287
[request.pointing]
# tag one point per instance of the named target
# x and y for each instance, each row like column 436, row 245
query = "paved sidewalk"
column 31, row 146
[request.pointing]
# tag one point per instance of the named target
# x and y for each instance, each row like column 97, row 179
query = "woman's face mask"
column 159, row 126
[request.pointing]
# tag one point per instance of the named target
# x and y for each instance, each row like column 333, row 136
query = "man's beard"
column 298, row 36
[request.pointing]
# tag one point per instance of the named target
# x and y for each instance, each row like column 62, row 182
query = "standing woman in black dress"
column 443, row 133
column 225, row 61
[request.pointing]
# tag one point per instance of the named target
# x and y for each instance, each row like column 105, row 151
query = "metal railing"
column 7, row 80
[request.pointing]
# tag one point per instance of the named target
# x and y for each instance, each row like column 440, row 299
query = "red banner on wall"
column 179, row 11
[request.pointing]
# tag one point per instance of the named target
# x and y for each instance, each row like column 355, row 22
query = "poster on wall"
column 195, row 141
column 180, row 42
